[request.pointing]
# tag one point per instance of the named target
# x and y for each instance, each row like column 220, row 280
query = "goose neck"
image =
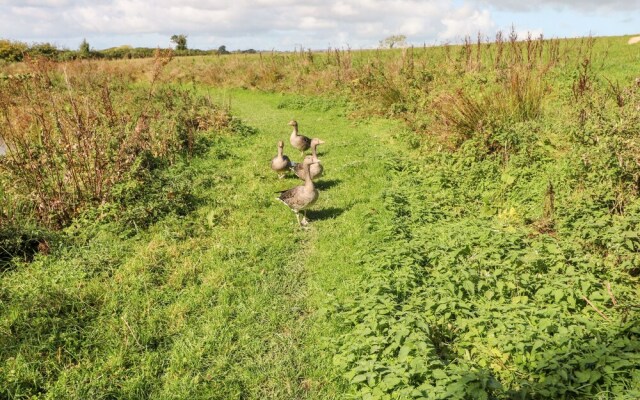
column 308, row 183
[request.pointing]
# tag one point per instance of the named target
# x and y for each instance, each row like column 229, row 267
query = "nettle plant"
column 463, row 304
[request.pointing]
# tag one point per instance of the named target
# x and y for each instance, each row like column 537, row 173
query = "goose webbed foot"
column 304, row 221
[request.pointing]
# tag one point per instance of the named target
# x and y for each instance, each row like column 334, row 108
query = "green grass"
column 226, row 302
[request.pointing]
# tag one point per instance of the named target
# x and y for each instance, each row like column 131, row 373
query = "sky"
column 314, row 24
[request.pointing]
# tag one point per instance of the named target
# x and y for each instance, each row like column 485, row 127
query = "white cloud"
column 343, row 9
column 582, row 5
column 250, row 23
column 43, row 3
column 466, row 21
column 412, row 26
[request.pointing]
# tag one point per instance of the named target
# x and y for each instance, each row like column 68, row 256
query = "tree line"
column 14, row 51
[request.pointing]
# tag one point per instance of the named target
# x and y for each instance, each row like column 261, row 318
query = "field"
column 477, row 234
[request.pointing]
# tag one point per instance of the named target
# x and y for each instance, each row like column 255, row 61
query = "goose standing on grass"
column 280, row 163
column 303, row 196
column 300, row 142
column 316, row 168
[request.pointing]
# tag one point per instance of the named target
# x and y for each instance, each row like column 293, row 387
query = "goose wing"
column 290, row 197
column 298, row 169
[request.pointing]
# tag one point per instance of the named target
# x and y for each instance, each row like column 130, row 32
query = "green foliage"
column 127, row 52
column 43, row 50
column 22, row 243
column 461, row 301
column 12, row 51
column 148, row 193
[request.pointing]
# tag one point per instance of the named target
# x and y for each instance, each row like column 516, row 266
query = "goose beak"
column 320, row 141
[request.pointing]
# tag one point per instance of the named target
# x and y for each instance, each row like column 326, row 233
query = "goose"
column 300, row 142
column 280, row 163
column 315, row 169
column 303, row 196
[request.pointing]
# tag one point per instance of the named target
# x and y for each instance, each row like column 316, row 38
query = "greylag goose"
column 316, row 168
column 280, row 163
column 301, row 197
column 300, row 142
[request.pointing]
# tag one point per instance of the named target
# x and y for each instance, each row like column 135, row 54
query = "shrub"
column 74, row 134
column 12, row 51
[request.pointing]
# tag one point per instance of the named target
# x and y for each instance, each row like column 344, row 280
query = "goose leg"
column 305, row 221
column 298, row 217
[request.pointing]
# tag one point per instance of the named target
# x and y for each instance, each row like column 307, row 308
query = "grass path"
column 323, row 263
column 225, row 303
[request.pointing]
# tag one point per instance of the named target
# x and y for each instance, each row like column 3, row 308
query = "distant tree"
column 84, row 50
column 222, row 50
column 394, row 40
column 180, row 41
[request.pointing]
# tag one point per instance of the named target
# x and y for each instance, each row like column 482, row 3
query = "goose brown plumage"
column 280, row 163
column 301, row 197
column 315, row 169
column 298, row 141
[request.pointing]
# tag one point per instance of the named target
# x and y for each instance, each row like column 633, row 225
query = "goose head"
column 293, row 123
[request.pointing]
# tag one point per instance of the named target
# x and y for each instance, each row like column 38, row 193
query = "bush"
column 12, row 51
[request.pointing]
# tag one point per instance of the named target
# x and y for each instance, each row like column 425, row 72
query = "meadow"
column 476, row 236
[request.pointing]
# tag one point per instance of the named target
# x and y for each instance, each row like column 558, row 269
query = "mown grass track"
column 325, row 263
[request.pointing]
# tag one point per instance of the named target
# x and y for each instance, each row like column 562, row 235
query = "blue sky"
column 317, row 24
column 569, row 22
